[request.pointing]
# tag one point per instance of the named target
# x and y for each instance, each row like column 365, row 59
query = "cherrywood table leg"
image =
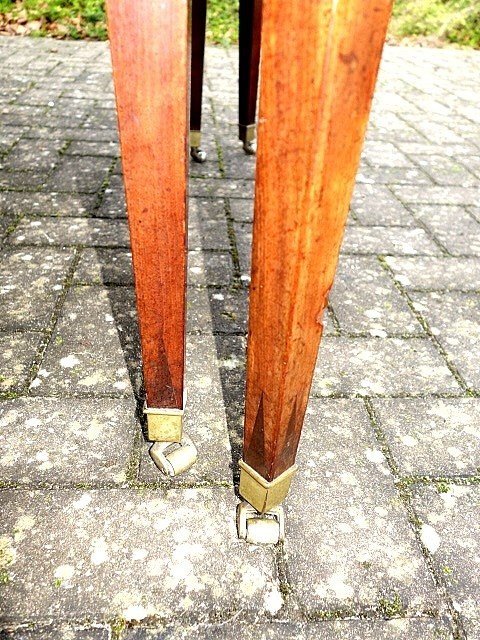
column 198, row 26
column 149, row 46
column 317, row 80
column 250, row 25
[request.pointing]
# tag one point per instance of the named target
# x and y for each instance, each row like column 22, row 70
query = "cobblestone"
column 382, row 519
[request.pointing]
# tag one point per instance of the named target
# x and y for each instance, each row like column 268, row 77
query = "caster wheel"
column 250, row 148
column 260, row 528
column 198, row 155
column 173, row 458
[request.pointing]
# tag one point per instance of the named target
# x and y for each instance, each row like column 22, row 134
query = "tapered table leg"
column 319, row 65
column 198, row 22
column 250, row 25
column 149, row 46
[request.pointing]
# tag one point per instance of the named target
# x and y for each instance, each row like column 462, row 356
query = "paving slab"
column 70, row 232
column 436, row 437
column 364, row 555
column 85, row 354
column 399, row 629
column 104, row 266
column 91, row 148
column 51, row 204
column 52, row 440
column 375, row 204
column 208, row 268
column 211, row 168
column 385, row 154
column 445, row 170
column 113, row 200
column 205, row 421
column 77, row 174
column 235, row 162
column 23, row 180
column 429, row 148
column 453, row 226
column 431, row 274
column 422, row 148
column 365, row 300
column 450, row 530
column 454, row 318
column 56, row 632
column 394, row 176
column 31, row 280
column 40, row 155
column 381, row 367
column 17, row 353
column 7, row 223
column 207, row 226
column 446, row 195
column 226, row 309
column 8, row 137
column 364, row 240
column 241, row 210
column 243, row 240
column 221, row 188
column 130, row 555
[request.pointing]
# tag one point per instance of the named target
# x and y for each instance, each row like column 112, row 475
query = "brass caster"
column 250, row 147
column 260, row 528
column 173, row 458
column 247, row 134
column 198, row 155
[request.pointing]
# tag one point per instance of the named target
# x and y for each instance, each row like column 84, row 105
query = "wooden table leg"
column 317, row 80
column 198, row 26
column 250, row 26
column 149, row 46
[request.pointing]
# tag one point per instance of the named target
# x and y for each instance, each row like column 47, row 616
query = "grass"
column 451, row 21
column 436, row 22
column 222, row 25
column 86, row 19
column 57, row 18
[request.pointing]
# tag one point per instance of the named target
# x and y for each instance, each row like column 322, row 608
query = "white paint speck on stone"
column 64, row 572
column 135, row 612
column 83, row 501
column 69, row 361
column 430, row 538
column 375, row 456
column 99, row 554
column 273, row 601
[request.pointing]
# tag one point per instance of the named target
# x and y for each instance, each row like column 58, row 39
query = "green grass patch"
column 56, row 18
column 435, row 22
column 450, row 21
column 86, row 19
column 222, row 21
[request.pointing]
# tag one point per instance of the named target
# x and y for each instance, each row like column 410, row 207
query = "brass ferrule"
column 260, row 493
column 247, row 132
column 195, row 138
column 164, row 425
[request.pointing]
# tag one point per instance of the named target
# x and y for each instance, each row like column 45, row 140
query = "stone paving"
column 383, row 533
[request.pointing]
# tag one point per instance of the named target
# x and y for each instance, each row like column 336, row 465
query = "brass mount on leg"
column 196, row 152
column 247, row 134
column 260, row 519
column 172, row 451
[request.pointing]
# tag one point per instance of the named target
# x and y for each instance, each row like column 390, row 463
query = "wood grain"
column 149, row 45
column 317, row 79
